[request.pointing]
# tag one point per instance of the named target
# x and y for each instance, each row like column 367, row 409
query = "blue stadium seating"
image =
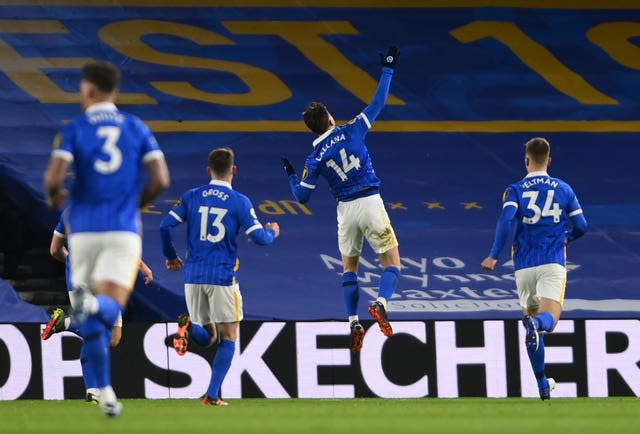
column 472, row 85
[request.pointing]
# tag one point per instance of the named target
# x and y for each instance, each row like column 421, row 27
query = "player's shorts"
column 105, row 256
column 363, row 218
column 543, row 281
column 210, row 304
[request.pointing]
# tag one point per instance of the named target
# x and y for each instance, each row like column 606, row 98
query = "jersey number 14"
column 550, row 208
column 347, row 164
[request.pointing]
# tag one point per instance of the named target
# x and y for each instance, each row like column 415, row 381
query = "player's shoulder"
column 562, row 184
column 240, row 198
column 133, row 121
column 77, row 121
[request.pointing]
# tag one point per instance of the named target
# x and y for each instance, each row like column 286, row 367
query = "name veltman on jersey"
column 107, row 148
column 215, row 213
column 544, row 206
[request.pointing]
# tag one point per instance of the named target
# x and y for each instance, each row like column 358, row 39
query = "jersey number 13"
column 219, row 214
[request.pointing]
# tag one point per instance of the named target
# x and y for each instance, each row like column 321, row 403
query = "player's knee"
column 390, row 258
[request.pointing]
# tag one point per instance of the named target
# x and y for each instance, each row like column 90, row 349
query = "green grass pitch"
column 333, row 416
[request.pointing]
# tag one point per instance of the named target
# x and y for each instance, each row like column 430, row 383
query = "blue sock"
column 200, row 335
column 388, row 282
column 544, row 321
column 220, row 366
column 350, row 292
column 537, row 360
column 108, row 310
column 96, row 344
column 88, row 373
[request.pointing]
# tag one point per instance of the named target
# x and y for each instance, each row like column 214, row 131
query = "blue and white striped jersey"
column 108, row 149
column 544, row 206
column 214, row 214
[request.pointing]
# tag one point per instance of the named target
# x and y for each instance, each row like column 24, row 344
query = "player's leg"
column 351, row 296
column 380, row 235
column 221, row 362
column 536, row 314
column 203, row 327
column 227, row 313
column 79, row 273
column 350, row 241
column 197, row 325
column 115, row 270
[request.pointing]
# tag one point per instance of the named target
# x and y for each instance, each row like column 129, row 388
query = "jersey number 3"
column 347, row 164
column 217, row 223
column 110, row 147
column 550, row 209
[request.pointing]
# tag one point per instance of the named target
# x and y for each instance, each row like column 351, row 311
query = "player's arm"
column 146, row 272
column 61, row 159
column 57, row 248
column 175, row 217
column 301, row 189
column 578, row 221
column 154, row 162
column 503, row 228
column 158, row 180
column 388, row 61
column 252, row 226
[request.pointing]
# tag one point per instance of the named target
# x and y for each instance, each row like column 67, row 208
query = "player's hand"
column 389, row 60
column 147, row 273
column 489, row 264
column 57, row 200
column 274, row 227
column 174, row 264
column 288, row 167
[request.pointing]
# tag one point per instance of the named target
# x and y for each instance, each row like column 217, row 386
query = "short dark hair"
column 102, row 75
column 316, row 117
column 221, row 161
column 538, row 149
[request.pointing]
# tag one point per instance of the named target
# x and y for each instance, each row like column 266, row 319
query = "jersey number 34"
column 550, row 208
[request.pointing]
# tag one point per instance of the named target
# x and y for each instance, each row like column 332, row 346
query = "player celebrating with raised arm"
column 341, row 157
column 108, row 149
column 542, row 207
column 214, row 214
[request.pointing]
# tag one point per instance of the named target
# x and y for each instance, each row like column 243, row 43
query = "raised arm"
column 388, row 62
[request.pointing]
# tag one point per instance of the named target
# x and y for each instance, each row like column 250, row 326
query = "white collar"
column 101, row 107
column 323, row 136
column 221, row 183
column 538, row 173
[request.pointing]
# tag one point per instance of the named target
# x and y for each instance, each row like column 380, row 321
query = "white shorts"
column 364, row 218
column 210, row 304
column 105, row 256
column 543, row 281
